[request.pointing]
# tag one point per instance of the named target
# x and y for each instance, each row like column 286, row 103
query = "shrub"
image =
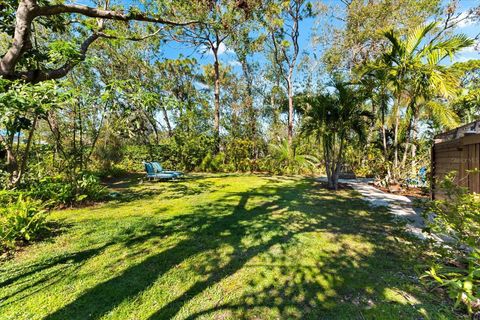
column 458, row 269
column 213, row 163
column 60, row 191
column 8, row 196
column 457, row 215
column 116, row 171
column 283, row 160
column 21, row 220
column 462, row 280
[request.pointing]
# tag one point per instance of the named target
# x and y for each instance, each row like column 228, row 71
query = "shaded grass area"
column 220, row 247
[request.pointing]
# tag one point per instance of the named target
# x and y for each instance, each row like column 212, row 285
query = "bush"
column 22, row 220
column 457, row 215
column 283, row 160
column 213, row 163
column 116, row 171
column 458, row 269
column 60, row 191
column 8, row 196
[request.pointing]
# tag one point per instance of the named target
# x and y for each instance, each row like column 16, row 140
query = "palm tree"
column 416, row 75
column 335, row 118
column 285, row 159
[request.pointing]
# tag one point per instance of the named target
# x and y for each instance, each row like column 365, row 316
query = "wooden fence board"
column 460, row 155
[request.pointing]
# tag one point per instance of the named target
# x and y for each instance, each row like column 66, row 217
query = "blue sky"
column 173, row 50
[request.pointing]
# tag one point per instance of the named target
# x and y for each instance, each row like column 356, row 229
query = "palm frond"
column 415, row 38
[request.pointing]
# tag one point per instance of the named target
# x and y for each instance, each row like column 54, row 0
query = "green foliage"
column 458, row 214
column 8, row 196
column 21, row 220
column 336, row 119
column 56, row 190
column 458, row 217
column 462, row 283
column 213, row 163
column 411, row 84
column 238, row 153
column 365, row 22
column 18, row 101
column 282, row 159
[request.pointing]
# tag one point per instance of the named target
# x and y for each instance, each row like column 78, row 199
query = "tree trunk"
column 167, row 121
column 395, row 141
column 290, row 110
column 338, row 164
column 408, row 143
column 249, row 105
column 12, row 163
column 216, row 93
column 15, row 180
column 414, row 146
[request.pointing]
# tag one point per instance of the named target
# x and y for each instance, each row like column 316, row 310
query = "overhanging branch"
column 28, row 10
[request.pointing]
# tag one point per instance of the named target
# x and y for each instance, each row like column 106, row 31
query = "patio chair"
column 153, row 175
column 157, row 167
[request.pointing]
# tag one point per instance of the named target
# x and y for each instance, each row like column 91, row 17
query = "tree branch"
column 106, row 14
column 28, row 10
column 35, row 76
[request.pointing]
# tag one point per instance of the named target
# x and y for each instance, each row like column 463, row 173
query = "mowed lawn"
column 220, row 247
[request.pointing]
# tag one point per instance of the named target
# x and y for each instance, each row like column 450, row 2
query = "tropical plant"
column 21, row 220
column 334, row 118
column 283, row 160
column 416, row 76
column 457, row 216
column 57, row 190
column 462, row 281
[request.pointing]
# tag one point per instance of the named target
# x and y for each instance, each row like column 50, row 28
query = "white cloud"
column 222, row 49
column 202, row 86
column 475, row 48
column 464, row 57
column 464, row 21
column 234, row 63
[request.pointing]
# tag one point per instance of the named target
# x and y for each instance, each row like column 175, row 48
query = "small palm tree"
column 285, row 159
column 335, row 118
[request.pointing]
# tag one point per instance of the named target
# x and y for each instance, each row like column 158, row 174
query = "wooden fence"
column 460, row 154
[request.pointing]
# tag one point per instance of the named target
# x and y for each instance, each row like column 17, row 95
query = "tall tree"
column 220, row 19
column 284, row 27
column 415, row 73
column 359, row 37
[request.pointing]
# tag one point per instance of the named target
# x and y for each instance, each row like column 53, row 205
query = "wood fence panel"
column 459, row 155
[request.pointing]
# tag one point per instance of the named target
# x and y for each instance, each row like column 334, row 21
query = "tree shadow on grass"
column 294, row 280
column 52, row 270
column 173, row 190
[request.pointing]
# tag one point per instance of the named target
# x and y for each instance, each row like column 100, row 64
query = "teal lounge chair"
column 153, row 175
column 157, row 167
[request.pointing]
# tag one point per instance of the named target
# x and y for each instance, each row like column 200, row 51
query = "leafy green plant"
column 60, row 191
column 8, row 196
column 462, row 282
column 213, row 163
column 457, row 216
column 282, row 159
column 22, row 220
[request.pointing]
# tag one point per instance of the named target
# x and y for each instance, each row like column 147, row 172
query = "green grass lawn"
column 220, row 247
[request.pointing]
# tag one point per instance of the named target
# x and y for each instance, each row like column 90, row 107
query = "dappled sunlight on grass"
column 232, row 246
